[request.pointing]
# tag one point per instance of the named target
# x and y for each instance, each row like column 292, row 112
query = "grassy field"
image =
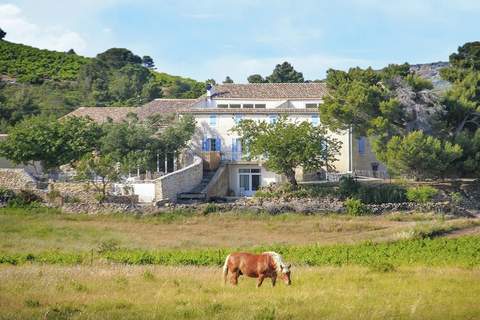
column 132, row 292
column 365, row 267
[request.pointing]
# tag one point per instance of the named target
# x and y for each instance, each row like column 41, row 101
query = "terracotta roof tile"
column 102, row 114
column 164, row 106
column 270, row 91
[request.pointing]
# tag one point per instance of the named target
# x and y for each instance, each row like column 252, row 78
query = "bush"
column 24, row 199
column 355, row 207
column 210, row 208
column 348, row 187
column 383, row 193
column 422, row 194
column 6, row 195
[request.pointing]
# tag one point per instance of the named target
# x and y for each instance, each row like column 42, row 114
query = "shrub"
column 210, row 208
column 422, row 194
column 382, row 267
column 6, row 195
column 348, row 186
column 382, row 193
column 23, row 199
column 355, row 207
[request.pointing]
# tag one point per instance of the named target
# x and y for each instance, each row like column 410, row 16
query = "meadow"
column 166, row 266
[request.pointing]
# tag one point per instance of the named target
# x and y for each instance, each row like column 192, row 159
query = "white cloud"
column 20, row 30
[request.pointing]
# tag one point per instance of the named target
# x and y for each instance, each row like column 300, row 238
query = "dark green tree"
column 119, row 57
column 288, row 145
column 256, row 78
column 147, row 62
column 228, row 80
column 421, row 156
column 2, row 34
column 285, row 73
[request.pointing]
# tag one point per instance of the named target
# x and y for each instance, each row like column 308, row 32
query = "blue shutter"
column 361, row 145
column 218, row 143
column 204, row 144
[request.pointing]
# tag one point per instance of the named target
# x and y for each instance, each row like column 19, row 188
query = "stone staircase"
column 196, row 193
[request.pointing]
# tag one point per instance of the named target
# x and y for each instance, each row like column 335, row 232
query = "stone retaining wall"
column 16, row 179
column 183, row 180
column 218, row 186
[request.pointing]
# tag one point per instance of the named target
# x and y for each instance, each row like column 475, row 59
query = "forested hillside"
column 34, row 81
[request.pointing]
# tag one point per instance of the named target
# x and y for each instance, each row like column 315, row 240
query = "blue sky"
column 213, row 38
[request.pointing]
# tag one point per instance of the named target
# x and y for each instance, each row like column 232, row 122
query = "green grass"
column 123, row 292
column 463, row 251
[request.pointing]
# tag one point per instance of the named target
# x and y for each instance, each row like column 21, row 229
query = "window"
column 361, row 145
column 248, row 106
column 311, row 105
column 235, row 106
column 260, row 106
column 315, row 120
column 213, row 120
column 211, row 144
column 273, row 118
column 237, row 118
column 223, row 106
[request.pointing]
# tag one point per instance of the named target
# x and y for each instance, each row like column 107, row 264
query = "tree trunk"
column 291, row 178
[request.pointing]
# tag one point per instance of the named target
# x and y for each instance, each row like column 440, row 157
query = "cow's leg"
column 260, row 280
column 274, row 279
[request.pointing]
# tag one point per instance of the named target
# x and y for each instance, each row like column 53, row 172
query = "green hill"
column 35, row 81
column 29, row 64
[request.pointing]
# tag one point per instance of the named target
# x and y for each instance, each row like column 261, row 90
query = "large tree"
column 147, row 62
column 119, row 57
column 383, row 104
column 256, row 78
column 285, row 73
column 462, row 101
column 288, row 145
column 51, row 142
column 2, row 34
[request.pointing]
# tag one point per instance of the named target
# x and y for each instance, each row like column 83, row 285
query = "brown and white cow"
column 260, row 266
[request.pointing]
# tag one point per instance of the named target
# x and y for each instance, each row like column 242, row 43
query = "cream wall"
column 225, row 122
column 267, row 177
column 269, row 104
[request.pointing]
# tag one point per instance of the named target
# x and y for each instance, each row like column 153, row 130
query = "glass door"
column 249, row 181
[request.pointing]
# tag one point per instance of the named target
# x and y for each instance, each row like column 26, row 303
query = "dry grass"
column 34, row 232
column 126, row 292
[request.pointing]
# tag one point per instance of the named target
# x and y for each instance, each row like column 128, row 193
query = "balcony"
column 239, row 157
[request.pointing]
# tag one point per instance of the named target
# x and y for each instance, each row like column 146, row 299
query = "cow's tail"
column 225, row 270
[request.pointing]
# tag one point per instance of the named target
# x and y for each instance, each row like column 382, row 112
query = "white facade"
column 216, row 117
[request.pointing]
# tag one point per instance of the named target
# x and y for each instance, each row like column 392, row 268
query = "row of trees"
column 414, row 130
column 106, row 151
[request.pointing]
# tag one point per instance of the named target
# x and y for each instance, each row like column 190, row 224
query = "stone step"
column 192, row 196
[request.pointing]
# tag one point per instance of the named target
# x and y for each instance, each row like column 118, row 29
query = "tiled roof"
column 251, row 111
column 102, row 114
column 270, row 91
column 164, row 106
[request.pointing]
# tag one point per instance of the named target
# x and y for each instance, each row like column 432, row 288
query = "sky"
column 214, row 38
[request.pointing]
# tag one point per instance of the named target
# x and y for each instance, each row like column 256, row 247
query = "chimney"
column 210, row 90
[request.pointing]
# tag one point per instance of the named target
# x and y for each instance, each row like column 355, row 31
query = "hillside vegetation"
column 34, row 81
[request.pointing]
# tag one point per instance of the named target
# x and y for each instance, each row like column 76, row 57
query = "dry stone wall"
column 183, row 180
column 16, row 179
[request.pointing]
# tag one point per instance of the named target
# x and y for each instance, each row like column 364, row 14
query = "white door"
column 249, row 181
